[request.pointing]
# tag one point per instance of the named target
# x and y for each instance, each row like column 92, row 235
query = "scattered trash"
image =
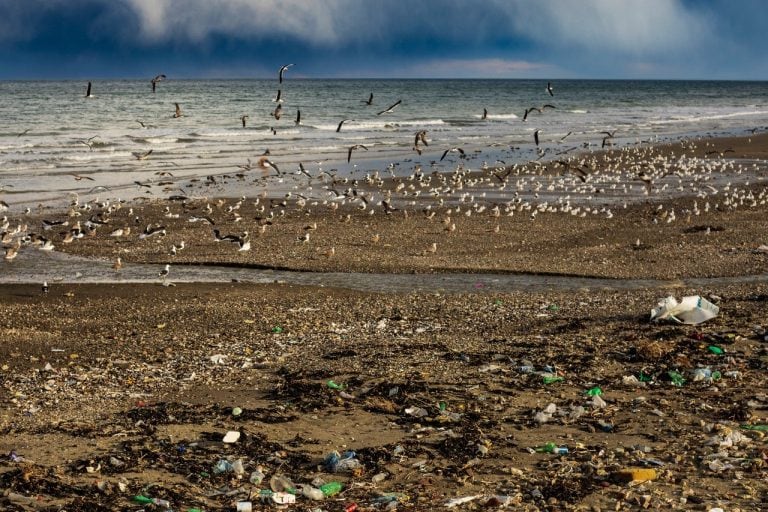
column 231, row 437
column 691, row 310
column 759, row 428
column 455, row 502
column 144, row 500
column 629, row 475
column 552, row 448
column 676, row 378
column 336, row 463
column 331, row 384
column 331, row 488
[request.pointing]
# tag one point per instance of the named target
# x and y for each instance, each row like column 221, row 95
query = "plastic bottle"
column 552, row 448
column 280, row 483
column 312, row 493
column 144, row 500
column 257, row 476
column 331, row 488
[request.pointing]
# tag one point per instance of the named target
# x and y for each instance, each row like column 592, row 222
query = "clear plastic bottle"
column 312, row 493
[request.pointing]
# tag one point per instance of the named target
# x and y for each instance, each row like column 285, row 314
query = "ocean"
column 55, row 142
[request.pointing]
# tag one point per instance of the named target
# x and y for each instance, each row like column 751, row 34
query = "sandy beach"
column 111, row 391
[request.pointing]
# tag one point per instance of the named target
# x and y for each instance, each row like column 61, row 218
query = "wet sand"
column 115, row 390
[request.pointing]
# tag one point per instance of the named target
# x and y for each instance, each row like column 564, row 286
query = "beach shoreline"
column 113, row 390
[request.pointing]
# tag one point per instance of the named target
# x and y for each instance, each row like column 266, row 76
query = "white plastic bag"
column 691, row 310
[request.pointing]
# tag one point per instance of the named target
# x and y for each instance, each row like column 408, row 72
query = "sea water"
column 53, row 138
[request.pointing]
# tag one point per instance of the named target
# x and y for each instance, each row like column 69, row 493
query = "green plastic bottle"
column 331, row 488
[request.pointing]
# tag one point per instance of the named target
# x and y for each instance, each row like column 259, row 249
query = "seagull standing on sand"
column 283, row 70
column 164, row 273
column 158, row 78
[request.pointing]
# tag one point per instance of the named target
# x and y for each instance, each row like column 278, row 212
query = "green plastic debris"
column 596, row 391
column 277, row 329
column 333, row 385
column 552, row 380
column 716, row 350
column 547, row 448
column 759, row 427
column 331, row 488
column 643, row 377
column 676, row 378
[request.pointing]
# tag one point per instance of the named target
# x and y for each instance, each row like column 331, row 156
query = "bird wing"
column 390, row 108
column 282, row 70
column 444, row 153
column 338, row 128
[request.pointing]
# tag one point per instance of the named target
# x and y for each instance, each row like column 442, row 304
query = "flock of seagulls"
column 533, row 188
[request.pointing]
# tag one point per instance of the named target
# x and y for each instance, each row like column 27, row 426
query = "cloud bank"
column 451, row 38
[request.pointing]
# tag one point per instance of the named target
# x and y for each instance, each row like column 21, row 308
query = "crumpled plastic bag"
column 691, row 310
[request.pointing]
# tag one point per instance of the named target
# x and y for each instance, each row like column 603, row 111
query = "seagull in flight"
column 158, row 78
column 536, row 137
column 391, row 108
column 79, row 177
column 338, row 128
column 297, row 122
column 143, row 156
column 89, row 142
column 278, row 112
column 352, row 148
column 283, row 69
column 608, row 135
column 243, row 118
column 178, row 113
column 549, row 89
column 369, row 102
column 88, row 91
column 461, row 152
column 537, row 109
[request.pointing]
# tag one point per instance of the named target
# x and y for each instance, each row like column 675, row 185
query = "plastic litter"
column 244, row 506
column 552, row 448
column 231, row 437
column 336, row 463
column 636, row 475
column 690, row 310
column 331, row 488
column 455, row 502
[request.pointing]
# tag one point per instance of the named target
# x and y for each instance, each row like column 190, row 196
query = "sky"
column 555, row 39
